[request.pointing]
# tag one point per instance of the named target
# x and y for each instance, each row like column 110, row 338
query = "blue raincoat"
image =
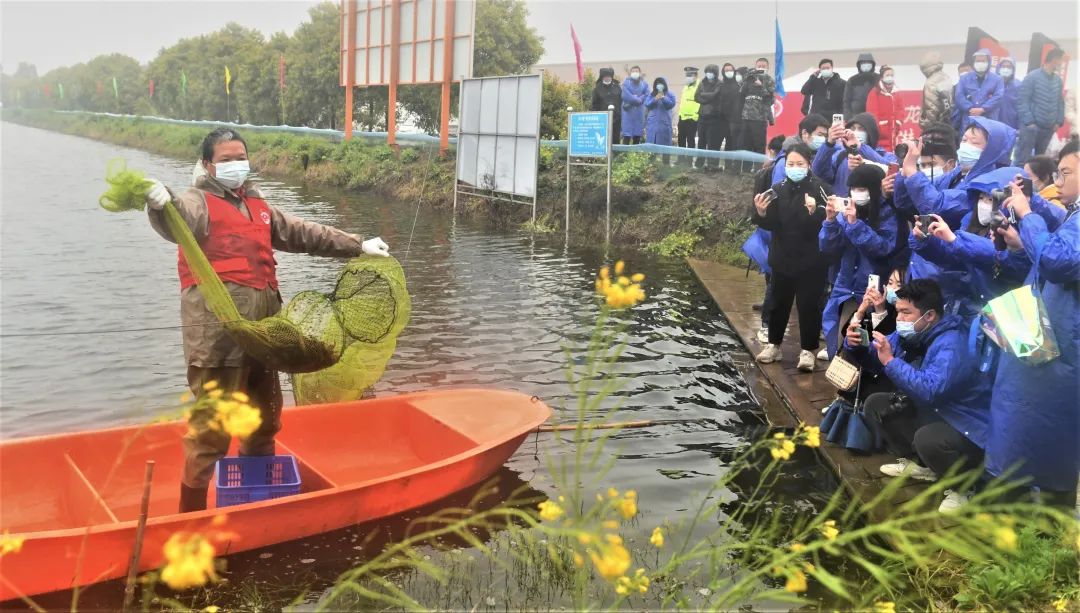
column 1009, row 109
column 831, row 168
column 756, row 247
column 634, row 95
column 658, row 119
column 947, row 381
column 862, row 251
column 986, row 94
column 1035, row 408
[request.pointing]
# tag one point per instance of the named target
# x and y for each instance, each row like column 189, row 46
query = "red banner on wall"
column 788, row 113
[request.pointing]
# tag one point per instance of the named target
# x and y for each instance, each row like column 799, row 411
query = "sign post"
column 589, row 136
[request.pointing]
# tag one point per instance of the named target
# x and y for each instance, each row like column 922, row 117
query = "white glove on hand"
column 158, row 196
column 375, row 246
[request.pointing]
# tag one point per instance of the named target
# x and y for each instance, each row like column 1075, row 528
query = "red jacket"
column 889, row 112
column 238, row 248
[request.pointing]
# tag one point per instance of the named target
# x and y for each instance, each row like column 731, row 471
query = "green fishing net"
column 335, row 345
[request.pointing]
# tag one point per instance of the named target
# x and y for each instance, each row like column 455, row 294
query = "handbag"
column 842, row 373
column 1018, row 323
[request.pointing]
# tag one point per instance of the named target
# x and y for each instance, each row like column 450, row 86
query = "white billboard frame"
column 487, row 107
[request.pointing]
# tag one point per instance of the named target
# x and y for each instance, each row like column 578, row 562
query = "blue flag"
column 779, row 61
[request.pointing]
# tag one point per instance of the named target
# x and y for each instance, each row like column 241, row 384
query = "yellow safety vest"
column 688, row 107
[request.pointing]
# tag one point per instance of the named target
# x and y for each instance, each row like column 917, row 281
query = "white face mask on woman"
column 985, row 210
column 861, row 197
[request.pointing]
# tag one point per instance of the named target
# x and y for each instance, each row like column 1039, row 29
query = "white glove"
column 375, row 246
column 158, row 196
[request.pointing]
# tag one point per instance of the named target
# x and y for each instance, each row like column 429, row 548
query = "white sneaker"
column 904, row 466
column 806, row 361
column 763, row 335
column 953, row 501
column 771, row 353
column 823, row 355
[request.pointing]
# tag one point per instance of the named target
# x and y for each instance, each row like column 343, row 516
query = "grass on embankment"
column 675, row 212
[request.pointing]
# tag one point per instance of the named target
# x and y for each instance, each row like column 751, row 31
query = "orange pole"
column 448, row 67
column 350, row 67
column 395, row 70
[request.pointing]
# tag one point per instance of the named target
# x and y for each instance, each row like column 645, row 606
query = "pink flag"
column 577, row 55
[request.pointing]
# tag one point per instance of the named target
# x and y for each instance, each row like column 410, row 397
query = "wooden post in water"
column 144, row 509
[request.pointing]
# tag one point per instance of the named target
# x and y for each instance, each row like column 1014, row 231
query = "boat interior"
column 91, row 478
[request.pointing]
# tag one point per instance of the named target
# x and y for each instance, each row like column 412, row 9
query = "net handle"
column 206, row 278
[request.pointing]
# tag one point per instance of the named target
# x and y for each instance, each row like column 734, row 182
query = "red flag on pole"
column 281, row 72
column 151, row 88
column 577, row 55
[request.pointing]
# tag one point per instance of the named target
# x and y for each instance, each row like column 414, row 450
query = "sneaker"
column 806, row 361
column 953, row 501
column 771, row 353
column 823, row 355
column 763, row 335
column 904, row 466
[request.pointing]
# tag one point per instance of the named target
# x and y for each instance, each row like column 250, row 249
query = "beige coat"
column 206, row 344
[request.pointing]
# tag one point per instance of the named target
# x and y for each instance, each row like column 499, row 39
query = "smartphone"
column 845, row 203
column 873, row 282
column 893, row 169
column 770, row 194
column 864, row 337
column 838, row 118
column 924, row 224
column 1026, row 187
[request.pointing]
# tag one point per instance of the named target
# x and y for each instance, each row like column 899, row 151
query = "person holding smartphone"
column 794, row 217
column 859, row 233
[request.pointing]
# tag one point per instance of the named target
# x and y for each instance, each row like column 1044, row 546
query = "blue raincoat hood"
column 999, row 143
column 995, row 179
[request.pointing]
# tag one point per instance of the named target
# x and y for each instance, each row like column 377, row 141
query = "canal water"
column 89, row 305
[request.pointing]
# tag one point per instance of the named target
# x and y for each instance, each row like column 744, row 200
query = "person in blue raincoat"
column 979, row 92
column 658, row 115
column 635, row 91
column 939, row 418
column 845, row 147
column 1035, row 408
column 1008, row 110
column 862, row 235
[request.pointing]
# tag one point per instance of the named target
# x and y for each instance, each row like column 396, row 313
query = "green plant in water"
column 679, row 244
column 544, row 224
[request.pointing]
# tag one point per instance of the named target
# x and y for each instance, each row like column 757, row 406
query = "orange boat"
column 76, row 497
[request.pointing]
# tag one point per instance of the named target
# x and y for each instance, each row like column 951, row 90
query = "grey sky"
column 50, row 34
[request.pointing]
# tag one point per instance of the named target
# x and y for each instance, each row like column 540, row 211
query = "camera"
column 901, row 151
column 999, row 221
column 924, row 224
column 899, row 405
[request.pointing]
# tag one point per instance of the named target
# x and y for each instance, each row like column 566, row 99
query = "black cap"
column 690, row 69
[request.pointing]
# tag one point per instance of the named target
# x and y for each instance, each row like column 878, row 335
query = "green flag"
column 60, row 86
column 183, row 83
column 115, row 88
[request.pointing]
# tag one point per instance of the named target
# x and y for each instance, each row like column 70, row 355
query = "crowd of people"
column 731, row 108
column 890, row 251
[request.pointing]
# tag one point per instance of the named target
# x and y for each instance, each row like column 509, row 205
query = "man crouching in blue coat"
column 939, row 415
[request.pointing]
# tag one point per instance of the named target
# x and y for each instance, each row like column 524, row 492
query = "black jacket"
column 708, row 94
column 604, row 95
column 794, row 248
column 859, row 86
column 730, row 99
column 823, row 97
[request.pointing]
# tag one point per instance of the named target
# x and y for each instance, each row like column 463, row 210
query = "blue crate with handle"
column 253, row 478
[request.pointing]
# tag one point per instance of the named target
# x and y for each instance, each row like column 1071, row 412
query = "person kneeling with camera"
column 939, row 414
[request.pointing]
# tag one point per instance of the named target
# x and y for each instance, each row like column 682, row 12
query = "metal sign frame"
column 606, row 163
column 464, row 130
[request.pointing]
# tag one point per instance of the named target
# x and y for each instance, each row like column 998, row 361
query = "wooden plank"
column 802, row 394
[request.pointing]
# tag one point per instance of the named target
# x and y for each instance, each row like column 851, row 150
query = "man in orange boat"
column 239, row 232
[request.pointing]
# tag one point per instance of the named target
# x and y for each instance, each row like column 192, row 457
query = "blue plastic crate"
column 252, row 478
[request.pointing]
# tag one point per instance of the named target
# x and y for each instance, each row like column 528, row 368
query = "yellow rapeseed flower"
column 628, row 506
column 210, row 385
column 624, row 281
column 657, row 538
column 189, row 561
column 550, row 511
column 604, row 274
column 10, row 544
column 584, row 538
column 238, row 419
column 1005, row 538
column 211, row 609
column 215, row 394
column 186, row 397
column 796, row 582
column 612, row 560
column 241, row 397
column 637, row 277
column 620, row 266
column 782, row 447
column 578, row 560
column 610, row 524
column 612, row 492
column 813, row 436
column 797, row 547
column 613, row 539
column 884, row 606
column 829, row 530
column 1061, row 604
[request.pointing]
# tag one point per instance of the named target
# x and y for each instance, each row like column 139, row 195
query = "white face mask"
column 825, row 73
column 860, row 135
column 866, row 67
column 232, row 174
column 690, row 79
column 635, row 75
column 606, row 81
column 710, row 75
column 985, row 211
column 729, row 74
column 1006, row 72
column 933, row 171
column 660, row 87
column 738, row 78
column 981, row 66
column 860, row 197
column 888, row 80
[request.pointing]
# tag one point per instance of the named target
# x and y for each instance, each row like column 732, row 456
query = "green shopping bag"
column 1017, row 322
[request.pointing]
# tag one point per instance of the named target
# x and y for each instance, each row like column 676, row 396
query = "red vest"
column 238, row 248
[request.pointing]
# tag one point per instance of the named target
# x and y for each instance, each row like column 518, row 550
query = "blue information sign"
column 589, row 134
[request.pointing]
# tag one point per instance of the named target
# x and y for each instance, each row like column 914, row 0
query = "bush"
column 678, row 244
column 634, row 168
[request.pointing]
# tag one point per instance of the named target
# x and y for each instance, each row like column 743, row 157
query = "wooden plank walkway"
column 803, row 394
